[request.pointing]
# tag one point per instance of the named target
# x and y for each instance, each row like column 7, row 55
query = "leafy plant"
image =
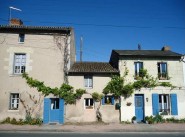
column 96, row 96
column 133, row 118
column 65, row 91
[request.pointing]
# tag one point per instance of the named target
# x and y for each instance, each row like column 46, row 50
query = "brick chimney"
column 15, row 21
column 166, row 48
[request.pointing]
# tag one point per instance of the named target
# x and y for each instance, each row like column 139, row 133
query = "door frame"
column 143, row 102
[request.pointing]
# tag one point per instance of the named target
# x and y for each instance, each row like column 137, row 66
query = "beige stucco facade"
column 175, row 72
column 78, row 112
column 44, row 62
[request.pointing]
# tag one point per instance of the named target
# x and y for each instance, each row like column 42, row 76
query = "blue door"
column 139, row 108
column 53, row 110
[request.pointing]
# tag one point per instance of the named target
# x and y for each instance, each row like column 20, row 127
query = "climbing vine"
column 117, row 85
column 65, row 91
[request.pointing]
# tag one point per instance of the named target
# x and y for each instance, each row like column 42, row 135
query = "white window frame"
column 21, row 37
column 165, row 107
column 19, row 63
column 160, row 69
column 88, row 81
column 89, row 106
column 14, row 101
column 137, row 68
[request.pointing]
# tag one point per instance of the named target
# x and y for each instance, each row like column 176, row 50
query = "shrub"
column 96, row 96
column 13, row 121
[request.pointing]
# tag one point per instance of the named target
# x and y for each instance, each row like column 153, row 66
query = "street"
column 59, row 134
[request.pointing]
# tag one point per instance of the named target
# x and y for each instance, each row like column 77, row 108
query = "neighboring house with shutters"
column 164, row 65
column 93, row 77
column 40, row 52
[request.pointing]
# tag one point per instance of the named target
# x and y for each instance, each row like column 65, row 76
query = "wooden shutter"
column 174, row 109
column 155, row 104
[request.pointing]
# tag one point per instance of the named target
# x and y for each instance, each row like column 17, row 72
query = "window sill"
column 164, row 80
column 13, row 110
column 15, row 75
column 20, row 42
column 88, row 87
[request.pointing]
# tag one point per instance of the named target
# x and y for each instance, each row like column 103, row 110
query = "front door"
column 139, row 108
column 53, row 110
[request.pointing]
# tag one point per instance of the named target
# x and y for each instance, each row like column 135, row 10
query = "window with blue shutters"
column 164, row 104
column 108, row 100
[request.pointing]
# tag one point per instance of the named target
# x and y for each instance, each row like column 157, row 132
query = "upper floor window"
column 162, row 70
column 88, row 80
column 21, row 38
column 19, row 63
column 14, row 101
column 138, row 67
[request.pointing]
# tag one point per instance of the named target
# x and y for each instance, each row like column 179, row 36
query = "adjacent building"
column 45, row 53
column 164, row 65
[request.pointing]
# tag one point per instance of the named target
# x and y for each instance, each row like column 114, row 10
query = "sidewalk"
column 112, row 127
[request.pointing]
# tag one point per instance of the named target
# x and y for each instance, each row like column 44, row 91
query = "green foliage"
column 143, row 73
column 65, row 91
column 133, row 118
column 127, row 90
column 96, row 96
column 166, row 84
column 79, row 93
column 115, row 86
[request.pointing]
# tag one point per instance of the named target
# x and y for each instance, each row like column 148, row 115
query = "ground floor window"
column 14, row 101
column 108, row 100
column 89, row 103
column 164, row 104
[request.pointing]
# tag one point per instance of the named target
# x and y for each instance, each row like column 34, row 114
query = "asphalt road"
column 139, row 134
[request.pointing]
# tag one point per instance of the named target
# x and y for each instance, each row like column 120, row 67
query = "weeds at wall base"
column 27, row 121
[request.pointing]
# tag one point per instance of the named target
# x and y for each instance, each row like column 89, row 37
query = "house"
column 165, row 65
column 46, row 54
column 93, row 77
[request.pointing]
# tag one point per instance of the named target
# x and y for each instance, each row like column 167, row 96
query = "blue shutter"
column 112, row 99
column 61, row 111
column 174, row 109
column 103, row 101
column 46, row 110
column 155, row 104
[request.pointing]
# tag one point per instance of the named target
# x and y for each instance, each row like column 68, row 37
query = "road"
column 58, row 134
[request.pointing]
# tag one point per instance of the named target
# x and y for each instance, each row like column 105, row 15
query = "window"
column 21, row 38
column 88, row 81
column 89, row 103
column 162, row 71
column 164, row 104
column 138, row 67
column 19, row 63
column 14, row 101
column 54, row 103
column 108, row 100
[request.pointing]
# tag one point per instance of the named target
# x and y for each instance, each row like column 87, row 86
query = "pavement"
column 96, row 127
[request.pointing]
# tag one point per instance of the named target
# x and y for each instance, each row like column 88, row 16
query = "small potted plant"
column 134, row 120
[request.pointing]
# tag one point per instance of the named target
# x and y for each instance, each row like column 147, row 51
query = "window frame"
column 162, row 75
column 89, row 106
column 18, row 69
column 137, row 68
column 14, row 105
column 89, row 80
column 21, row 38
column 164, row 104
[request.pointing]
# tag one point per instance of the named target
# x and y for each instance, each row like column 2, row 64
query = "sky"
column 107, row 24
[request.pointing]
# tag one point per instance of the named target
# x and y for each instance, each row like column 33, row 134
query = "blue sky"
column 107, row 24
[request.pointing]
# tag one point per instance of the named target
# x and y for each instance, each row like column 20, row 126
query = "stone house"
column 46, row 54
column 164, row 65
column 93, row 77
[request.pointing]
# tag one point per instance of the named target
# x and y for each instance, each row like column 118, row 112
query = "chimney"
column 16, row 22
column 166, row 48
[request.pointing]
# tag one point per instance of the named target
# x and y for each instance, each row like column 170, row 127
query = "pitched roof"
column 42, row 29
column 92, row 67
column 148, row 53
